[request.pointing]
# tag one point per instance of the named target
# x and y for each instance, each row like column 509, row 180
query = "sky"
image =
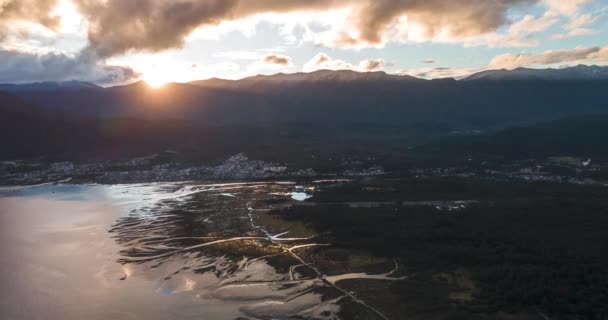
column 112, row 42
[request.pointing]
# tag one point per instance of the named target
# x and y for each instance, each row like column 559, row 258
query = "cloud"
column 428, row 20
column 579, row 24
column 429, row 61
column 440, row 72
column 581, row 21
column 119, row 26
column 372, row 64
column 324, row 62
column 566, row 7
column 18, row 67
column 37, row 11
column 277, row 59
column 270, row 64
column 574, row 33
column 579, row 55
column 530, row 24
column 239, row 55
column 521, row 33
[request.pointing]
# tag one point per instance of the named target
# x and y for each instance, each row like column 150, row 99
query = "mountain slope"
column 21, row 126
column 581, row 136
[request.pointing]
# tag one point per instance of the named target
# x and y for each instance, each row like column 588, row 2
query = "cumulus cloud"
column 18, row 67
column 277, row 59
column 579, row 55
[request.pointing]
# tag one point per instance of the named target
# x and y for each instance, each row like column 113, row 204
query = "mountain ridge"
column 575, row 73
column 315, row 76
column 49, row 86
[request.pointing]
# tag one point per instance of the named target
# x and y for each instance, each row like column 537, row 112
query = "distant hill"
column 581, row 72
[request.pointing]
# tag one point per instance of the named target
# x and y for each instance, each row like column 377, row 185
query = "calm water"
column 164, row 251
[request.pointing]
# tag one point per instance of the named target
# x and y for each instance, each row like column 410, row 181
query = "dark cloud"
column 117, row 26
column 429, row 61
column 20, row 66
column 38, row 11
column 277, row 59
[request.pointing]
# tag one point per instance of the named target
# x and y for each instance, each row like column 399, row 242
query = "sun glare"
column 155, row 82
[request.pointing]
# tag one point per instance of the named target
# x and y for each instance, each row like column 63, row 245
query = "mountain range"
column 329, row 110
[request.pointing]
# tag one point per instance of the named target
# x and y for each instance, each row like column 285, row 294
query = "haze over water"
column 59, row 262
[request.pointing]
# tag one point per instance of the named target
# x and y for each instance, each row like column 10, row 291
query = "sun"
column 155, row 82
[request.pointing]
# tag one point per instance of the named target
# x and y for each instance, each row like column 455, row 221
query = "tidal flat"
column 356, row 248
column 159, row 251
